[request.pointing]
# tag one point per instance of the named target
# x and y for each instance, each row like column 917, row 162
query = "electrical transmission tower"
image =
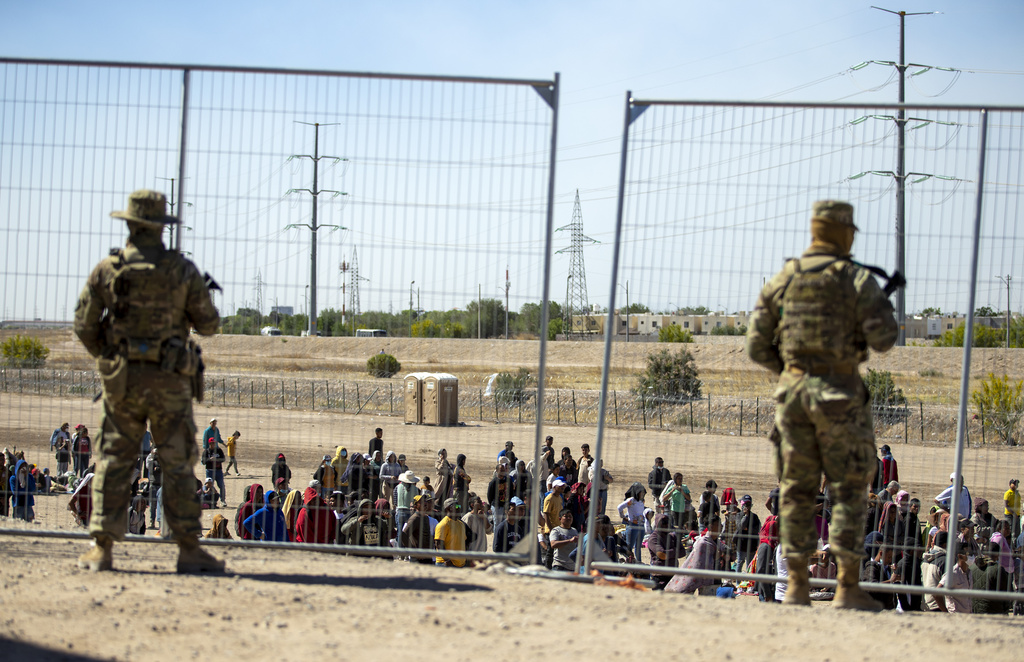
column 350, row 281
column 574, row 320
column 259, row 299
column 312, row 225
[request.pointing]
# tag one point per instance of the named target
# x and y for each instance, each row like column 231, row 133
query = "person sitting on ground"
column 268, row 523
column 959, row 578
column 822, row 567
column 880, row 569
column 219, row 528
column 80, row 504
column 663, row 545
column 451, row 535
column 208, row 495
column 933, row 565
column 984, row 522
column 704, row 556
column 988, row 575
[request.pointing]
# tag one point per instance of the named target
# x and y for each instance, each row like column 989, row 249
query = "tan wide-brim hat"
column 148, row 208
column 408, row 477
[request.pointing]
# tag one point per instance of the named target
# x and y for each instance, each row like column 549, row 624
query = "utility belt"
column 176, row 355
column 821, row 370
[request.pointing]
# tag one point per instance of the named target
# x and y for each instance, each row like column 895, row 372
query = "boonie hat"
column 148, row 208
column 833, row 211
column 408, row 477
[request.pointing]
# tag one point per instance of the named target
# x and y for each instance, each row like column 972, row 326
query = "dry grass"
column 927, row 374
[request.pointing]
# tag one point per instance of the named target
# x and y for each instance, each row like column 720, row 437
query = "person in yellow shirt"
column 230, row 447
column 1011, row 507
column 450, row 534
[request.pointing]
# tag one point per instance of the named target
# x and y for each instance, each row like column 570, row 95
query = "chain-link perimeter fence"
column 320, row 201
column 713, row 198
column 722, row 415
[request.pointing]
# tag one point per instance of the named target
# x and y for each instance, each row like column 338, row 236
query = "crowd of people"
column 376, row 499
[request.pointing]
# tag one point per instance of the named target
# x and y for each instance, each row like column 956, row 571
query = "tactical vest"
column 147, row 304
column 819, row 314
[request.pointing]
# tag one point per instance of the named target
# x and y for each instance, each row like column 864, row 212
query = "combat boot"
column 849, row 594
column 99, row 558
column 193, row 559
column 798, row 588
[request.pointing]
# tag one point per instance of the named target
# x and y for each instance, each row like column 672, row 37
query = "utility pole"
column 173, row 227
column 411, row 312
column 901, row 180
column 627, row 309
column 508, row 284
column 479, row 303
column 313, row 227
column 1007, row 281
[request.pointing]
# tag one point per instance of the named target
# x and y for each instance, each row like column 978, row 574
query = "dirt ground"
column 291, row 605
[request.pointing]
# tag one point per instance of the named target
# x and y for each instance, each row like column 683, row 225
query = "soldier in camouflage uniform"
column 812, row 326
column 134, row 316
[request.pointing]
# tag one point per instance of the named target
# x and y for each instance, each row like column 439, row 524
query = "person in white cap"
column 965, row 507
column 211, row 435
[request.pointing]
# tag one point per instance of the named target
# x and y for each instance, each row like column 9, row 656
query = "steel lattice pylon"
column 576, row 314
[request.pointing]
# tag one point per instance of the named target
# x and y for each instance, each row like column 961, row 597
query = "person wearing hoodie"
column 933, row 566
column 253, row 499
column 461, row 481
column 219, row 528
column 349, row 481
column 326, row 475
column 366, row 528
column 267, row 523
column 340, row 463
column 291, row 502
column 315, row 523
column 23, row 489
column 389, row 473
column 279, row 469
column 987, row 575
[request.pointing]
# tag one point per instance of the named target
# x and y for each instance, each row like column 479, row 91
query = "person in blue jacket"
column 22, row 486
column 268, row 523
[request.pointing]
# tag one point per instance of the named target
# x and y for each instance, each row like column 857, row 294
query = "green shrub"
column 24, row 352
column 740, row 330
column 888, row 403
column 983, row 337
column 1001, row 405
column 382, row 365
column 674, row 333
column 513, row 388
column 669, row 377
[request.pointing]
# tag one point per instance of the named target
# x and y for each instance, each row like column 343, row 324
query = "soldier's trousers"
column 826, row 426
column 165, row 400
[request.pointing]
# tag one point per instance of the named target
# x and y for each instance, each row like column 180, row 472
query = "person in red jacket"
column 315, row 523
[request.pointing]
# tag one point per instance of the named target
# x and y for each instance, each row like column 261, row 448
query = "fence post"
column 558, row 407
column 252, row 394
column 906, row 423
column 312, row 395
column 691, row 415
column 709, row 413
column 520, row 408
column 21, row 381
column 757, row 416
column 921, row 404
column 266, row 391
column 574, row 419
column 391, row 396
column 295, row 387
column 661, row 423
column 481, row 405
column 282, row 393
column 224, row 392
column 238, row 385
column 643, row 410
column 741, row 418
column 359, row 400
column 343, row 405
column 982, row 418
column 495, row 406
column 615, row 403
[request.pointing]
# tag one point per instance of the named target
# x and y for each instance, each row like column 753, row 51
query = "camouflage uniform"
column 134, row 315
column 812, row 326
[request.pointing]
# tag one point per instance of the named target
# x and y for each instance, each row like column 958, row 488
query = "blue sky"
column 706, row 50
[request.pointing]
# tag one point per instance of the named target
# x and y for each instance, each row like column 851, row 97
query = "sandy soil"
column 291, row 604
